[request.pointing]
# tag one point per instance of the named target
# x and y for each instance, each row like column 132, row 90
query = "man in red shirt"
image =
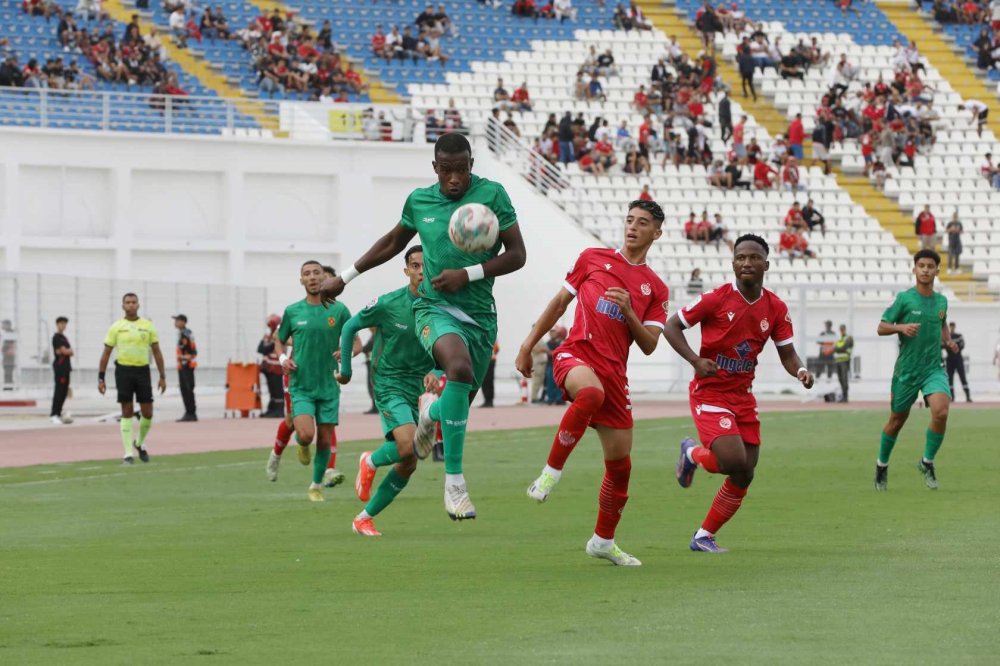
column 796, row 137
column 378, row 44
column 738, row 146
column 926, row 229
column 521, row 98
column 645, row 195
column 621, row 300
column 867, row 151
column 794, row 218
column 790, row 175
column 762, row 174
column 802, row 245
column 690, row 227
column 604, row 153
column 786, row 244
column 737, row 320
column 641, row 101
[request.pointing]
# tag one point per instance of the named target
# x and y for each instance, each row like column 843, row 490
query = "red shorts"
column 721, row 419
column 616, row 412
column 288, row 395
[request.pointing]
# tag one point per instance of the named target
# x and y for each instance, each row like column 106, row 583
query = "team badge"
column 426, row 332
column 666, row 306
column 730, row 315
column 566, row 438
column 607, row 267
column 764, row 326
column 697, row 410
column 331, row 321
column 941, row 315
column 646, row 289
column 725, row 422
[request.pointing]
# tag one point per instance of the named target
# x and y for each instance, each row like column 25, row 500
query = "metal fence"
column 227, row 321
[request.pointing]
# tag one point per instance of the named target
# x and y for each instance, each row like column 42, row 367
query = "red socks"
column 706, row 459
column 333, row 451
column 282, row 437
column 614, row 495
column 726, row 503
column 574, row 423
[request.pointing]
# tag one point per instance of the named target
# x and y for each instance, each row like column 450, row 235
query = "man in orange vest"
column 187, row 351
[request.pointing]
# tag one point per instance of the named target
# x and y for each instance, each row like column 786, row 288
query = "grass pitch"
column 197, row 559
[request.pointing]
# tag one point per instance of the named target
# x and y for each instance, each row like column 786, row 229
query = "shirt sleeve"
column 503, row 209
column 697, row 310
column 285, row 329
column 656, row 313
column 406, row 217
column 347, row 334
column 154, row 337
column 111, row 339
column 576, row 276
column 894, row 312
column 781, row 331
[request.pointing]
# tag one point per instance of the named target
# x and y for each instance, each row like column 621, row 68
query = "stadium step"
column 199, row 68
column 942, row 54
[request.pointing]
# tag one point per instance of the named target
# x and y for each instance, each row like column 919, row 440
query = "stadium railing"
column 509, row 149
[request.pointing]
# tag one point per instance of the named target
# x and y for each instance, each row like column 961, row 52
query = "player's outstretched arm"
column 550, row 315
column 674, row 333
column 348, row 341
column 384, row 249
column 794, row 365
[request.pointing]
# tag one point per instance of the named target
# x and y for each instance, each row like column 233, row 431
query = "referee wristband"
column 282, row 359
column 349, row 274
column 100, row 376
column 476, row 272
column 800, row 371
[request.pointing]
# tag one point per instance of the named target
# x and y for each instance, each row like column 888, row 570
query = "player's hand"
column 336, row 356
column 705, row 367
column 288, row 367
column 524, row 363
column 431, row 383
column 341, row 379
column 620, row 297
column 806, row 378
column 450, row 280
column 952, row 346
column 101, row 386
column 909, row 330
column 331, row 288
column 162, row 385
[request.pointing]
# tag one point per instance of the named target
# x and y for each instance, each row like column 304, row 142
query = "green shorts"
column 432, row 323
column 326, row 411
column 905, row 389
column 394, row 410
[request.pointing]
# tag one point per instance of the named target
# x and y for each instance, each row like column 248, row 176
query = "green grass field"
column 197, row 559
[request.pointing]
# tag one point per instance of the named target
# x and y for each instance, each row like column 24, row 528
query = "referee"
column 187, row 350
column 134, row 338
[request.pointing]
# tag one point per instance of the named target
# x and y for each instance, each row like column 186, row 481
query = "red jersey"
column 738, row 135
column 796, row 132
column 733, row 333
column 599, row 332
column 786, row 241
column 645, row 196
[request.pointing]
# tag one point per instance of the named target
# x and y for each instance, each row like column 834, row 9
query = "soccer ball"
column 473, row 228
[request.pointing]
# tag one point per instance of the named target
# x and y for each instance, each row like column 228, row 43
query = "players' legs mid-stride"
column 728, row 455
column 400, row 454
column 939, row 403
column 617, row 446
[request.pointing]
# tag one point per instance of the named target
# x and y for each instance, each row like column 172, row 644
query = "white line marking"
column 154, row 470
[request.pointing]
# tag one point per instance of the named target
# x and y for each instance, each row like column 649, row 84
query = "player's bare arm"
column 511, row 259
column 158, row 358
column 794, row 366
column 550, row 315
column 384, row 249
column 287, row 364
column 946, row 339
column 909, row 330
column 646, row 337
column 102, row 367
column 674, row 333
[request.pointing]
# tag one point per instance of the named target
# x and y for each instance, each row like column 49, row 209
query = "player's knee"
column 589, row 398
column 407, row 465
column 460, row 371
column 304, row 437
column 939, row 413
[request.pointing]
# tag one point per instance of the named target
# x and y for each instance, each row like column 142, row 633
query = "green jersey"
column 315, row 333
column 920, row 354
column 399, row 361
column 428, row 212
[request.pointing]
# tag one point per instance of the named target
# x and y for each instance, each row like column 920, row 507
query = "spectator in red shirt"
column 796, row 136
column 786, row 244
column 378, row 44
column 604, row 153
column 589, row 165
column 738, row 146
column 926, row 229
column 521, row 98
column 794, row 218
column 762, row 174
column 641, row 101
column 802, row 245
column 790, row 177
column 703, row 230
column 867, row 151
column 645, row 195
column 690, row 227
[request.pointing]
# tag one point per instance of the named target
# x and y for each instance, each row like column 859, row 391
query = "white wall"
column 249, row 211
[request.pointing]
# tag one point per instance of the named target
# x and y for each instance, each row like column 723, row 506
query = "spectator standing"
column 8, row 349
column 270, row 367
column 566, row 138
column 488, row 378
column 187, row 353
column 926, row 229
column 842, row 350
column 954, row 233
column 725, row 111
column 747, row 65
column 739, row 148
column 540, row 361
column 61, row 369
column 827, row 348
column 695, row 285
column 796, row 137
column 955, row 363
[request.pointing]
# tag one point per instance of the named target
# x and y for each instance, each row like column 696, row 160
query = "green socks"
column 452, row 410
column 144, row 426
column 934, row 441
column 391, row 486
column 126, row 428
column 385, row 455
column 320, row 461
column 885, row 448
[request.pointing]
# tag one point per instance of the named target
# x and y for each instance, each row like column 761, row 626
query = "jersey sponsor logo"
column 401, row 327
column 609, row 309
column 428, row 219
column 331, row 321
column 917, row 312
column 566, row 438
column 725, row 422
column 456, row 424
column 563, row 355
column 740, row 365
column 646, row 289
column 764, row 325
column 301, row 323
column 730, row 315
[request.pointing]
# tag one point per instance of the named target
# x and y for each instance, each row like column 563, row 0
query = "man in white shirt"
column 563, row 9
column 979, row 113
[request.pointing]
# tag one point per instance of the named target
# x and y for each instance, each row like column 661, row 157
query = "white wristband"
column 476, row 272
column 282, row 359
column 800, row 371
column 349, row 274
